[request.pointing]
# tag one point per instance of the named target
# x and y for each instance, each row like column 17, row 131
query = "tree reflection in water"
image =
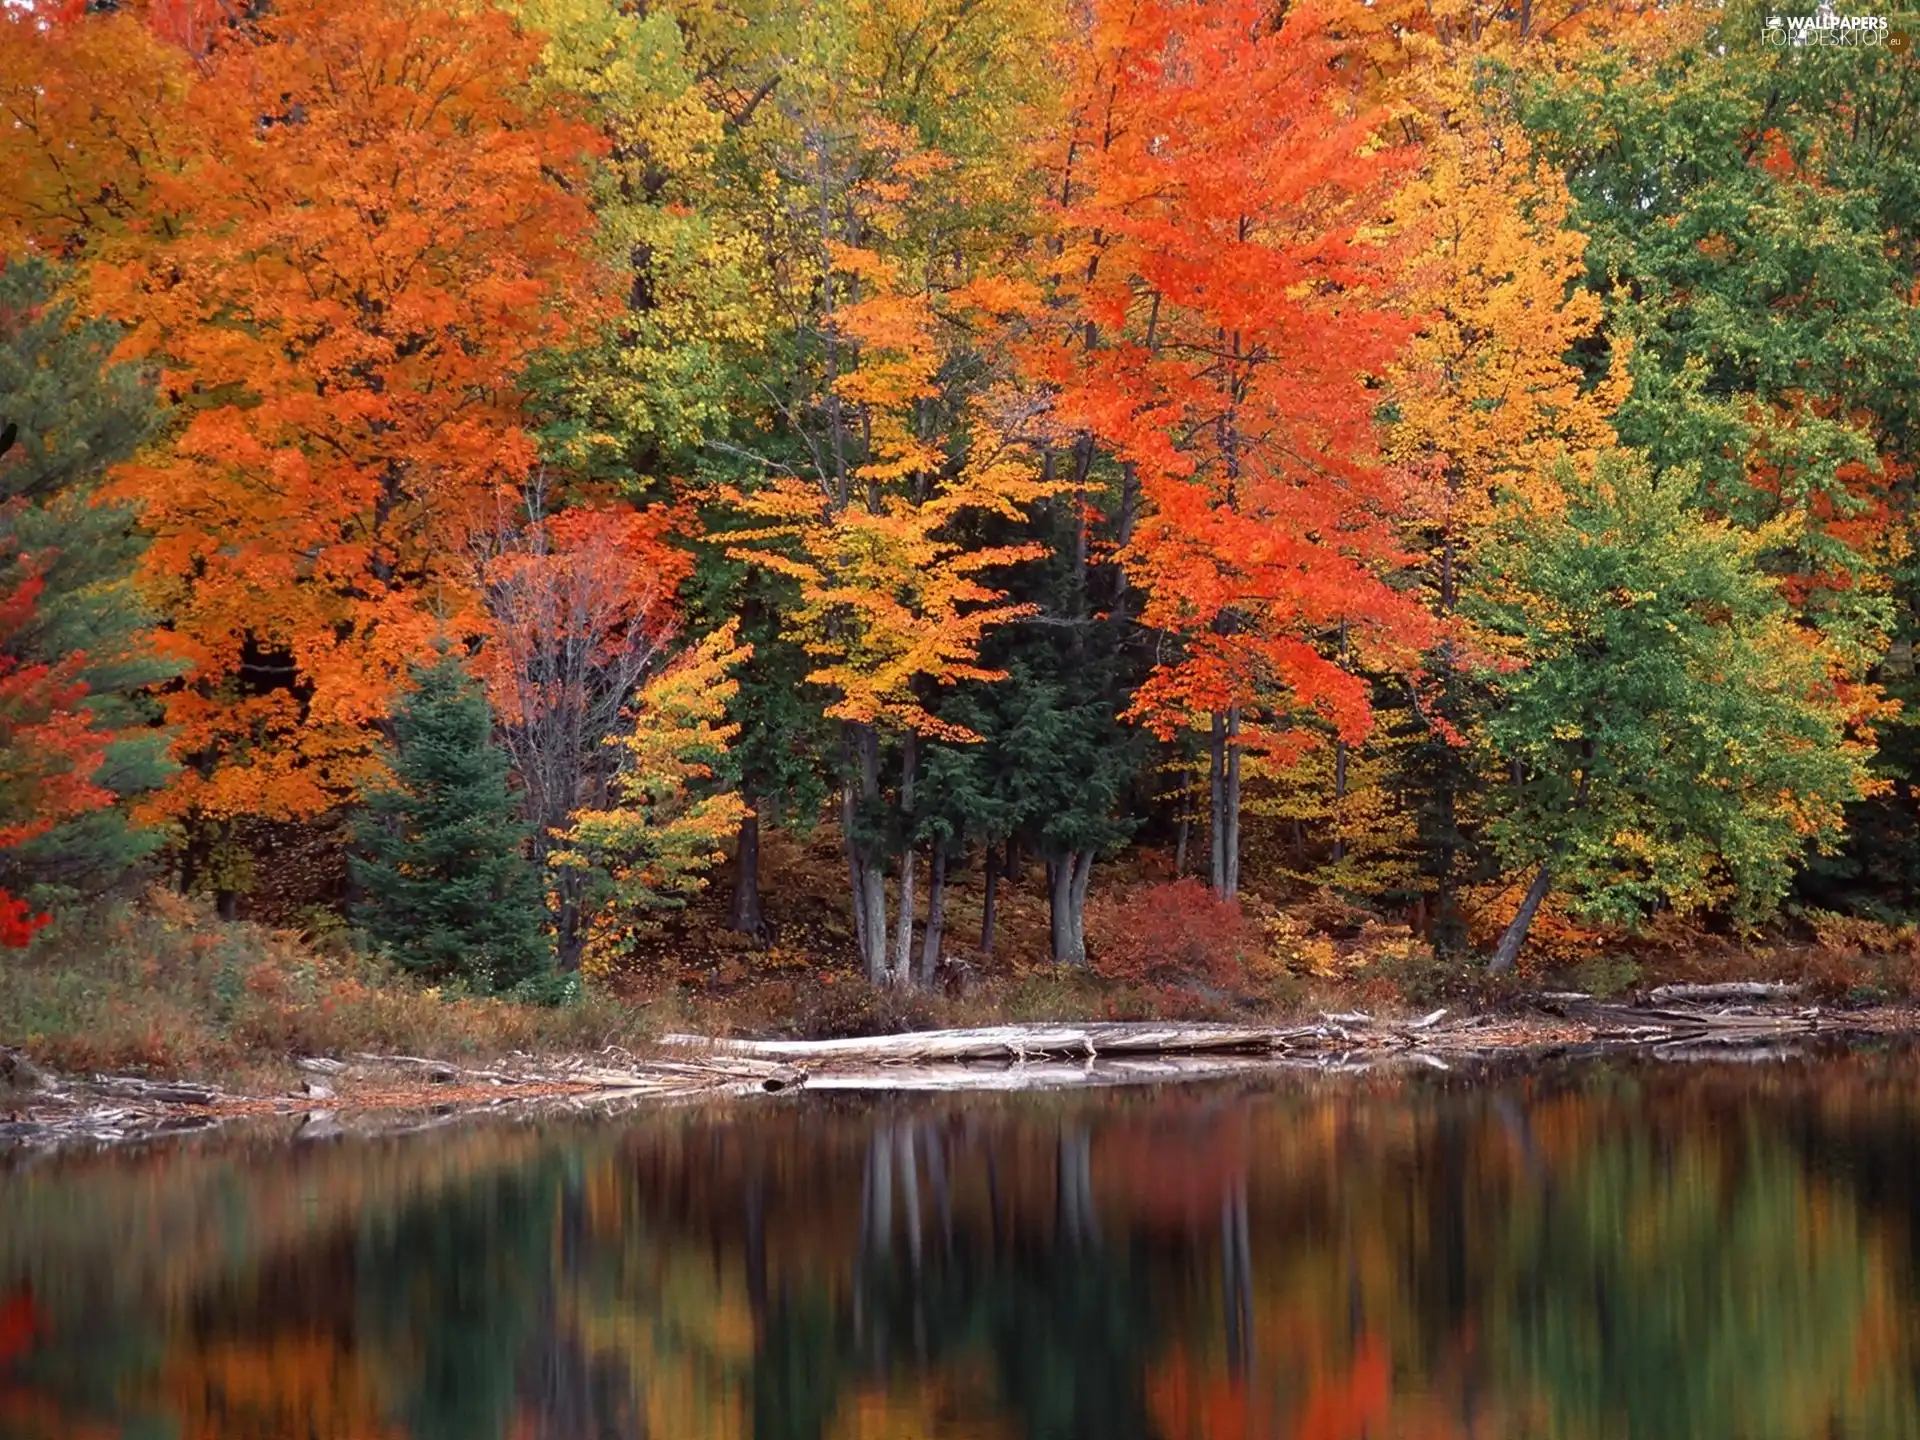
column 1609, row 1251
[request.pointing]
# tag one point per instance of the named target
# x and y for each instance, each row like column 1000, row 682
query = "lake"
column 1605, row 1248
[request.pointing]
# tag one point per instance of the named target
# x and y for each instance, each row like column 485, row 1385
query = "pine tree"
column 74, row 414
column 447, row 887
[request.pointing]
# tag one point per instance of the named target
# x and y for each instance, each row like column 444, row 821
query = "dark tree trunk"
column 1339, row 798
column 569, row 944
column 1233, row 803
column 1223, row 787
column 1340, row 775
column 1449, row 926
column 856, row 878
column 988, row 908
column 747, row 917
column 1082, row 879
column 936, row 916
column 1508, row 950
column 1217, row 804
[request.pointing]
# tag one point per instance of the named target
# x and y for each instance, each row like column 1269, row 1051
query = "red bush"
column 17, row 922
column 1170, row 933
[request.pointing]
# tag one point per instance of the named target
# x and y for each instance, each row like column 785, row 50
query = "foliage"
column 1677, row 737
column 1225, row 315
column 986, row 409
column 447, row 888
column 75, row 414
column 1175, row 933
column 653, row 845
column 339, row 294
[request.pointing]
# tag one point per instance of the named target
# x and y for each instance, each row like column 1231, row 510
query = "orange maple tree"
column 366, row 233
column 1226, row 323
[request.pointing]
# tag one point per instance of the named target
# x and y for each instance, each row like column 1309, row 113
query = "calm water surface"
column 1636, row 1250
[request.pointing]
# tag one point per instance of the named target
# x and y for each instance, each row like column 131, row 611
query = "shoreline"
column 362, row 1093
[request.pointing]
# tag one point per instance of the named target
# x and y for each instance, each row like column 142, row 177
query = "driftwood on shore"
column 1675, row 1022
column 1010, row 1043
column 1725, row 991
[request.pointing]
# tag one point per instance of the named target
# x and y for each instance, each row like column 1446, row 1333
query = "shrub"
column 1173, row 933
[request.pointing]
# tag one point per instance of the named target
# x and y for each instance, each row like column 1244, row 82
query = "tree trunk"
column 903, row 941
column 987, row 909
column 1067, row 879
column 747, row 917
column 1339, row 798
column 1181, row 832
column 936, row 917
column 866, row 869
column 1217, row 804
column 1082, row 878
column 1233, row 804
column 1508, row 950
column 568, row 943
column 900, row 968
column 856, row 880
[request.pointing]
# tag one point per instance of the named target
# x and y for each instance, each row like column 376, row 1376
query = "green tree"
column 1673, row 734
column 447, row 888
column 74, row 414
column 1755, row 227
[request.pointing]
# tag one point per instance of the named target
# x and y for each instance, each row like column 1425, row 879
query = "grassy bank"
column 160, row 986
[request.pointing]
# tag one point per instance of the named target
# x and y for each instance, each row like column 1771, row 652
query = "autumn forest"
column 1192, row 463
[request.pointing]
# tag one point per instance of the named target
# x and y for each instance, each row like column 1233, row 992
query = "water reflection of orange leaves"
column 1342, row 1405
column 957, row 1405
column 1342, row 1402
column 1191, row 1403
column 290, row 1384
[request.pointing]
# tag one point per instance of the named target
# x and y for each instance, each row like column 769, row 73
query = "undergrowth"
column 162, row 986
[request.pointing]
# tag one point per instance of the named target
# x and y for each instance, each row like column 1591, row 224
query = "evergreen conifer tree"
column 447, row 888
column 73, row 415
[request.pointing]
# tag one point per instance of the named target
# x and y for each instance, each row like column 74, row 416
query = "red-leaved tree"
column 582, row 610
column 49, row 748
column 1224, row 329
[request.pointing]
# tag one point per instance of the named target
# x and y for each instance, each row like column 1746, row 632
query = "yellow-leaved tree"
column 893, row 601
column 671, row 809
column 1487, row 400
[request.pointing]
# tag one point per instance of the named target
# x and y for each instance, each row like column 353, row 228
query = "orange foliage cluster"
column 1226, row 312
column 340, row 236
column 1251, row 312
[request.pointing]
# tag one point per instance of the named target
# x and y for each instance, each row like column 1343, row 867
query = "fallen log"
column 1729, row 990
column 161, row 1092
column 1014, row 1042
column 957, row 1076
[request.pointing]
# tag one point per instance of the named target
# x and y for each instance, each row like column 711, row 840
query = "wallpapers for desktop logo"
column 1828, row 27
